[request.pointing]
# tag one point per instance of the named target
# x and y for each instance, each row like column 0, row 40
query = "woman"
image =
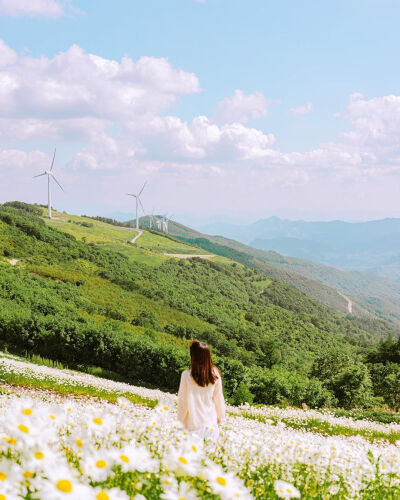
column 201, row 405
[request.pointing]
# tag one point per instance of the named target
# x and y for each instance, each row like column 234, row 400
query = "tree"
column 352, row 386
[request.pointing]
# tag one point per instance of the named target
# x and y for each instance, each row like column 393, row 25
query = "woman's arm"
column 218, row 399
column 183, row 398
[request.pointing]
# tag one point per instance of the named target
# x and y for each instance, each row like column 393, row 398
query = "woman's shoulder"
column 216, row 372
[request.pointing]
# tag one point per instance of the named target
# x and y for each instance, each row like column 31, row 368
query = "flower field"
column 55, row 447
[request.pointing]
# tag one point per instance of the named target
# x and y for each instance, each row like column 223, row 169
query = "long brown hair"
column 203, row 369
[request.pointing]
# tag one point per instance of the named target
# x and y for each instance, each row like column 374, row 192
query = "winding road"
column 349, row 303
column 133, row 240
column 189, row 255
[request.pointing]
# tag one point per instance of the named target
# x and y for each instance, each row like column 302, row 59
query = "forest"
column 87, row 305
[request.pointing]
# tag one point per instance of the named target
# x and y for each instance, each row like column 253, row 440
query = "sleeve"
column 183, row 398
column 218, row 399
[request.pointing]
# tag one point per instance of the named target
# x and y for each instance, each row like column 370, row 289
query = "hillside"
column 370, row 295
column 84, row 296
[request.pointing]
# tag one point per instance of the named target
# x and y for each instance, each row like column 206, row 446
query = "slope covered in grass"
column 132, row 310
column 372, row 296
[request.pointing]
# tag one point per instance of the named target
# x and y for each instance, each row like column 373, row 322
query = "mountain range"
column 372, row 246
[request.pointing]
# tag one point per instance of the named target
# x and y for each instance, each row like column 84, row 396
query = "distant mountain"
column 372, row 246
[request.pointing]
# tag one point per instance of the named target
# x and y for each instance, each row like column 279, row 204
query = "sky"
column 229, row 109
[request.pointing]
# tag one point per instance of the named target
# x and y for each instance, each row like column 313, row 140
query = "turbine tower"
column 151, row 219
column 138, row 202
column 49, row 174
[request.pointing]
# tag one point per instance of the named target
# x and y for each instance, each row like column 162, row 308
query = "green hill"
column 75, row 290
column 372, row 296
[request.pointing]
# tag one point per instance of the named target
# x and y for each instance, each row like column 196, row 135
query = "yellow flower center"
column 26, row 411
column 2, row 497
column 79, row 443
column 3, row 476
column 182, row 498
column 102, row 495
column 124, row 458
column 194, row 448
column 221, row 481
column 166, row 408
column 23, row 428
column 52, row 417
column 182, row 460
column 64, row 485
column 38, row 455
column 28, row 474
column 98, row 421
column 101, row 464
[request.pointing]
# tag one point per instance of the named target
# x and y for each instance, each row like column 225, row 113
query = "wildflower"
column 98, row 464
column 183, row 491
column 286, row 490
column 113, row 494
column 136, row 458
column 225, row 484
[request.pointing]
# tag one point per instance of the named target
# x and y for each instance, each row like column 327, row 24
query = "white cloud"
column 241, row 107
column 31, row 8
column 302, row 110
column 75, row 84
column 376, row 122
column 118, row 110
column 7, row 56
column 15, row 158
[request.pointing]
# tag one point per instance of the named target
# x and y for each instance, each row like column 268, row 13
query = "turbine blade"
column 141, row 191
column 52, row 163
column 129, row 194
column 57, row 182
column 141, row 204
column 39, row 175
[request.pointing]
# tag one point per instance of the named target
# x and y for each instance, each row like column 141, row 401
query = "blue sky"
column 300, row 103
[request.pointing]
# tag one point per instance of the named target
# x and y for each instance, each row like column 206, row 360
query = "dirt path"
column 188, row 255
column 349, row 303
column 133, row 241
column 13, row 262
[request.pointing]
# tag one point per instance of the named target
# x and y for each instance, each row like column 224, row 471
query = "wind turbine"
column 49, row 174
column 151, row 219
column 138, row 202
column 167, row 221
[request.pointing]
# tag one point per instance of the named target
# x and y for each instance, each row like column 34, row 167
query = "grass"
column 376, row 415
column 95, row 231
column 78, row 390
column 326, row 428
column 149, row 249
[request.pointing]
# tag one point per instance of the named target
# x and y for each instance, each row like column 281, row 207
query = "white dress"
column 200, row 408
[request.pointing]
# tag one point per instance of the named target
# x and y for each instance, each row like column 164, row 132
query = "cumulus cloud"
column 376, row 122
column 241, row 107
column 75, row 84
column 7, row 55
column 302, row 110
column 120, row 111
column 31, row 8
column 15, row 158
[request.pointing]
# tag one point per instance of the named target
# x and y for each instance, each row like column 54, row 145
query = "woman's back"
column 200, row 407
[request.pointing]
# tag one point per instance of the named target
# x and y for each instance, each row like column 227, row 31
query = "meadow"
column 59, row 445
